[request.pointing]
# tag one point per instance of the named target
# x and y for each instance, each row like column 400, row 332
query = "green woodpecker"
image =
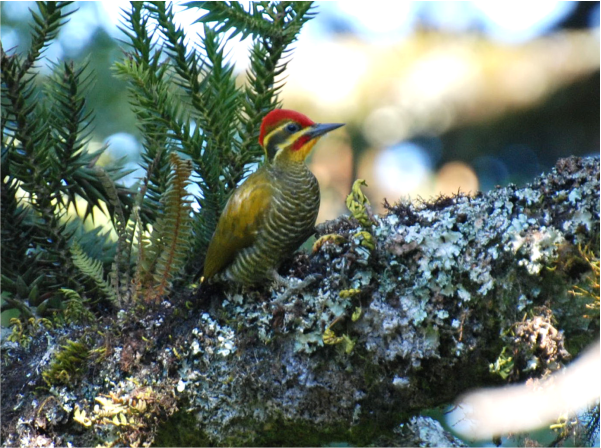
column 274, row 211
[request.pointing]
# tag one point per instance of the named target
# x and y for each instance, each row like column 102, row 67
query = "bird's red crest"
column 273, row 118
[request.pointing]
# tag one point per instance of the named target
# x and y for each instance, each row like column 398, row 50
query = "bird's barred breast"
column 289, row 222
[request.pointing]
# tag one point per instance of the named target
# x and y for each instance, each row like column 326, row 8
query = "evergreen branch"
column 145, row 74
column 21, row 122
column 136, row 27
column 231, row 16
column 69, row 124
column 50, row 164
column 266, row 64
column 215, row 97
column 261, row 96
column 222, row 98
column 46, row 28
column 298, row 13
column 43, row 153
column 187, row 64
column 155, row 110
column 265, row 20
column 207, row 95
column 17, row 82
column 15, row 229
column 162, row 123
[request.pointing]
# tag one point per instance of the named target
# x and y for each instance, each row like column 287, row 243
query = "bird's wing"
column 239, row 222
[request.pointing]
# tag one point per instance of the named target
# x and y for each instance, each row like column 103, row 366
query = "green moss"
column 68, row 364
column 23, row 329
column 182, row 429
column 294, row 433
column 286, row 433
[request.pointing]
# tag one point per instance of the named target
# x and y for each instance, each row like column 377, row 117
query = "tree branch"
column 456, row 293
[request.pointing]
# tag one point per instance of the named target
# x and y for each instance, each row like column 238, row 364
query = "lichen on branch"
column 456, row 293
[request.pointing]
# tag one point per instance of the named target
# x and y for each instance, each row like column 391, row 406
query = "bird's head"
column 288, row 136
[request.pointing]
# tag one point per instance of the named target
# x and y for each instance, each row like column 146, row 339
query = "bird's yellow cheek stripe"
column 296, row 147
column 302, row 153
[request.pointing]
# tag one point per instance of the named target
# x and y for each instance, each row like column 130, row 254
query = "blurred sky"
column 400, row 87
column 384, row 22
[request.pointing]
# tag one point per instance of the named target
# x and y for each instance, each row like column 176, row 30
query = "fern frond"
column 75, row 307
column 92, row 268
column 176, row 226
column 169, row 242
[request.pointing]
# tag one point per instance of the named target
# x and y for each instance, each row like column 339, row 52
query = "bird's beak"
column 319, row 129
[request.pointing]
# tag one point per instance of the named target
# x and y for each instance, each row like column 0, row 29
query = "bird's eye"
column 292, row 127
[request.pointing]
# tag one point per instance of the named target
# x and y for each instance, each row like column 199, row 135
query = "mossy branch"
column 449, row 287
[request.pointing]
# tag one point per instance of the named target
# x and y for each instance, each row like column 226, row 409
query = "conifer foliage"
column 199, row 130
column 187, row 99
column 45, row 168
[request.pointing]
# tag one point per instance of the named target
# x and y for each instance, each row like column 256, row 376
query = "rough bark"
column 439, row 298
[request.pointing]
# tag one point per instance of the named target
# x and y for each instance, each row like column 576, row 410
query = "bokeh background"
column 438, row 97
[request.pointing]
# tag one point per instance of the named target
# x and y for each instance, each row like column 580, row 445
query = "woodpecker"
column 274, row 211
